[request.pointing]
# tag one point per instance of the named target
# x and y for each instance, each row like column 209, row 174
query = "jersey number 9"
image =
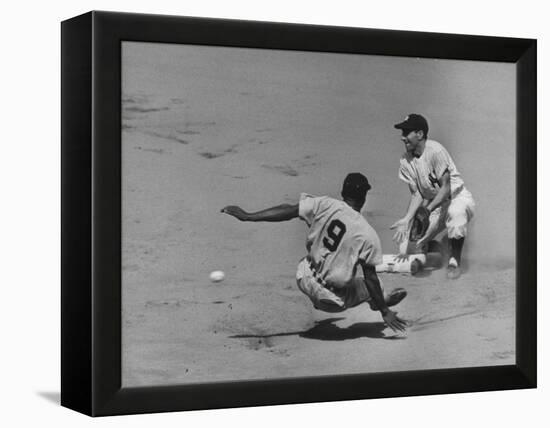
column 335, row 231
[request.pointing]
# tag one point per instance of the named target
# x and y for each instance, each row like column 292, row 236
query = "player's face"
column 410, row 139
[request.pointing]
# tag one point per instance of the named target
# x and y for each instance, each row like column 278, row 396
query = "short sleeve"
column 441, row 162
column 307, row 207
column 371, row 252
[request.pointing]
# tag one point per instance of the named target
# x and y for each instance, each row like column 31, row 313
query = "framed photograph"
column 258, row 213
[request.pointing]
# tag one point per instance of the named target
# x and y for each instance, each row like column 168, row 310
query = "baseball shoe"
column 396, row 295
column 453, row 269
column 392, row 299
column 416, row 266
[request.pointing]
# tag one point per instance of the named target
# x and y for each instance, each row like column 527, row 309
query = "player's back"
column 338, row 237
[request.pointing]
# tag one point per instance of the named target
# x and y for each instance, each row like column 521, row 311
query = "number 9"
column 335, row 231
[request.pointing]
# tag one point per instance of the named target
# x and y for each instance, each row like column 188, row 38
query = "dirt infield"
column 263, row 331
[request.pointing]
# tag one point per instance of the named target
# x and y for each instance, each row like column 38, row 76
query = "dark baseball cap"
column 413, row 122
column 356, row 185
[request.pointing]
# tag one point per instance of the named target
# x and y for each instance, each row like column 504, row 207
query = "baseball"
column 217, row 276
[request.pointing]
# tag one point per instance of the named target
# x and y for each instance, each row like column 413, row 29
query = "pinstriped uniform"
column 424, row 174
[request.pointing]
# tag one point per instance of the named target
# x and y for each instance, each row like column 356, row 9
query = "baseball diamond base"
column 413, row 264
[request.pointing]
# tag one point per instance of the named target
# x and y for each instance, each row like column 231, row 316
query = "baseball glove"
column 420, row 224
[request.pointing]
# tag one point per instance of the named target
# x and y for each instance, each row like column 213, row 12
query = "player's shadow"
column 424, row 273
column 327, row 330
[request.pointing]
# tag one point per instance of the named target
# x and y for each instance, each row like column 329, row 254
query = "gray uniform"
column 338, row 239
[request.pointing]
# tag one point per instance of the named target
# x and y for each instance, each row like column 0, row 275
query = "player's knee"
column 457, row 217
column 457, row 231
column 457, row 211
column 457, row 221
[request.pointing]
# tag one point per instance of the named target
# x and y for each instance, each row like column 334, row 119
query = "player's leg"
column 461, row 211
column 322, row 298
column 357, row 293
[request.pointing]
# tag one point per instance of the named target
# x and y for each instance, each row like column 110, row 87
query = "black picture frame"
column 91, row 212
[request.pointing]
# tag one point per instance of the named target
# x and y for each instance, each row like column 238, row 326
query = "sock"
column 456, row 248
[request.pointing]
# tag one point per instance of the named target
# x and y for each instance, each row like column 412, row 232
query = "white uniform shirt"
column 424, row 173
column 338, row 238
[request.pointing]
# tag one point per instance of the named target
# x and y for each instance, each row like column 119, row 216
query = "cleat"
column 453, row 272
column 416, row 266
column 453, row 269
column 395, row 296
column 392, row 299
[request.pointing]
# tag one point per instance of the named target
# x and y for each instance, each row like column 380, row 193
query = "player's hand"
column 236, row 212
column 401, row 258
column 401, row 227
column 393, row 321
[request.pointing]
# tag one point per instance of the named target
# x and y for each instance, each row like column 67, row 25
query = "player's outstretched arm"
column 373, row 285
column 282, row 212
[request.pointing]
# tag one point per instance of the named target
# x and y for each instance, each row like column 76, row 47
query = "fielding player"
column 436, row 184
column 339, row 241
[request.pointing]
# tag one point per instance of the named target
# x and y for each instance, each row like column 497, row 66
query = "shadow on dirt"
column 327, row 330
